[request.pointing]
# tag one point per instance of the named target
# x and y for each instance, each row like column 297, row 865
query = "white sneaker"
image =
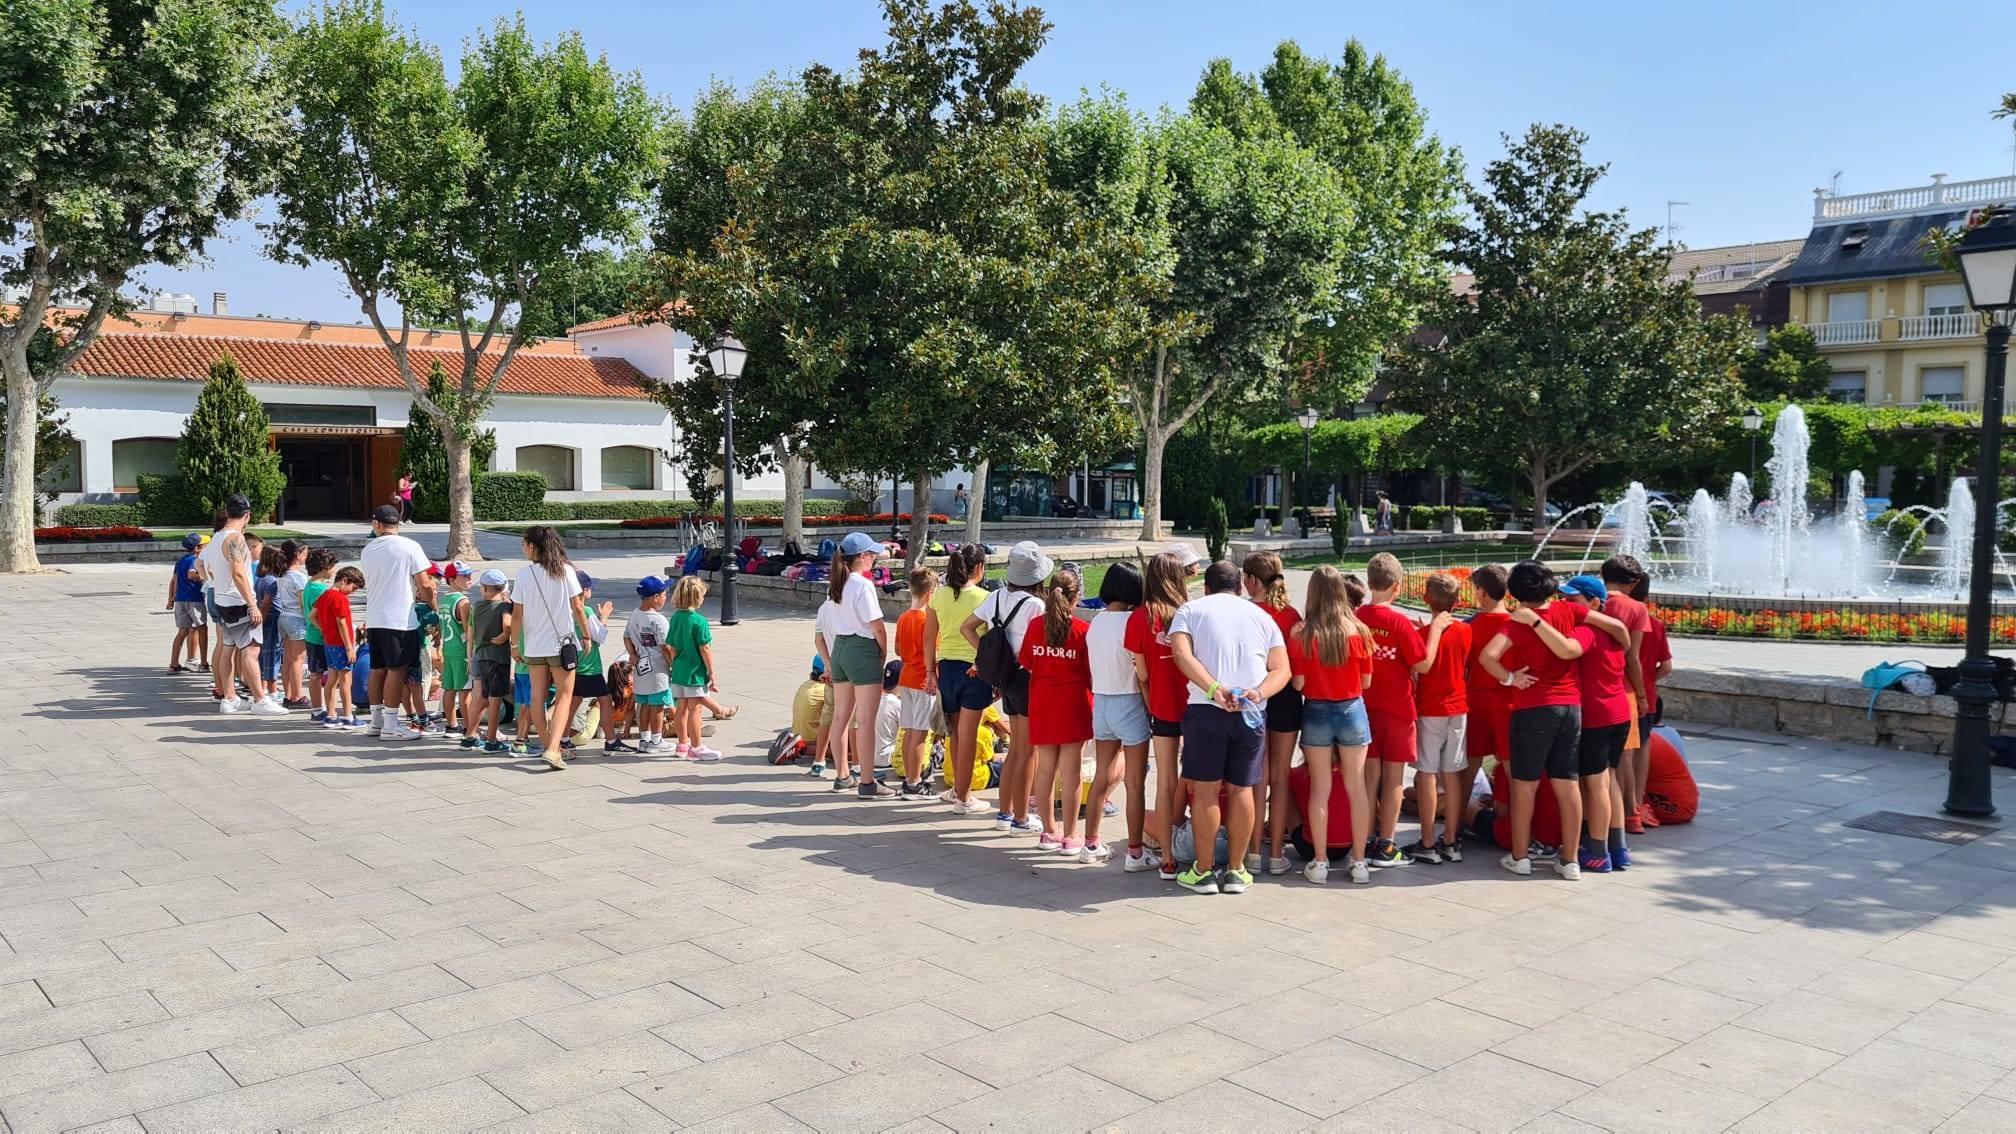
column 1360, row 873
column 1317, row 872
column 234, row 705
column 1095, row 852
column 702, row 754
column 1568, row 870
column 1277, row 866
column 1146, row 860
column 1520, row 866
column 1252, row 864
column 269, row 709
column 377, row 725
column 973, row 807
column 397, row 731
column 950, row 797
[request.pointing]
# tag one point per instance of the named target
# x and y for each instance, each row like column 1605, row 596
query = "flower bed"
column 116, row 534
column 840, row 520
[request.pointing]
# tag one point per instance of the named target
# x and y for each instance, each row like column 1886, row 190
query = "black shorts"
column 1656, row 716
column 1015, row 697
column 1543, row 742
column 1159, row 727
column 1284, row 711
column 1601, row 748
column 589, row 686
column 393, row 649
column 1217, row 745
column 493, row 678
column 318, row 661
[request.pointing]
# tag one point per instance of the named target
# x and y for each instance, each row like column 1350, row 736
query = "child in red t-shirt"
column 1060, row 709
column 339, row 642
column 1165, row 588
column 1486, row 733
column 1607, row 723
column 1330, row 656
column 1440, row 700
column 1620, row 574
column 1389, row 699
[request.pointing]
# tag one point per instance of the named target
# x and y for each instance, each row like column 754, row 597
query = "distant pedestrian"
column 961, row 501
column 404, row 497
column 1384, row 523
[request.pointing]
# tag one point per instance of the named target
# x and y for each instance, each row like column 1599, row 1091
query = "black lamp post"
column 1988, row 264
column 1753, row 420
column 1307, row 420
column 725, row 358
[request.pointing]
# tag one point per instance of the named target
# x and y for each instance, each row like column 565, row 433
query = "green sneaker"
column 1198, row 881
column 520, row 748
column 1234, row 881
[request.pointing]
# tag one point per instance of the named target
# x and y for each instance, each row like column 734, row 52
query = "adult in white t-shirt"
column 857, row 645
column 547, row 616
column 1222, row 642
column 395, row 577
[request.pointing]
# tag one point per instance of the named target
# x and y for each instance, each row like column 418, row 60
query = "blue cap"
column 818, row 665
column 493, row 578
column 651, row 585
column 587, row 582
column 858, row 543
column 892, row 673
column 1588, row 586
column 191, row 542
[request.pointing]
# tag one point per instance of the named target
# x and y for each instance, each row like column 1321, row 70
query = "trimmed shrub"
column 677, row 509
column 514, row 496
column 1429, row 517
column 1215, row 530
column 165, row 501
column 225, row 447
column 101, row 516
column 1903, row 526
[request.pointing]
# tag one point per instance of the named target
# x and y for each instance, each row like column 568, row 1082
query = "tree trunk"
column 977, row 501
column 461, row 497
column 794, row 492
column 1153, row 441
column 17, row 485
column 920, row 517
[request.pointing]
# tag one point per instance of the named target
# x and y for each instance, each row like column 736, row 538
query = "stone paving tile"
column 1064, row 1099
column 1328, row 1076
column 465, row 1104
column 265, row 982
column 1217, row 1105
column 47, row 1026
column 319, row 1046
column 492, row 1004
column 279, row 1103
column 115, row 1094
column 187, row 1035
column 341, row 999
column 435, row 1062
column 725, row 1031
column 735, row 1082
column 611, row 1065
column 1024, row 1050
column 41, row 1067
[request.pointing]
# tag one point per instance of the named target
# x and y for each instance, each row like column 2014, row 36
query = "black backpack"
column 996, row 662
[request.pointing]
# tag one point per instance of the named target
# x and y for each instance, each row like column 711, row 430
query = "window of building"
column 1847, row 306
column 1943, row 383
column 628, row 466
column 1945, row 299
column 1848, row 386
column 67, row 474
column 552, row 461
column 134, row 457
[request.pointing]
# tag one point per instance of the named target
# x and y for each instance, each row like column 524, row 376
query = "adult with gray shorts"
column 227, row 565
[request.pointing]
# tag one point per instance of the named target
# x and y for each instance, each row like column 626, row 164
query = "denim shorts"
column 1335, row 724
column 521, row 689
column 1120, row 716
column 959, row 691
column 293, row 628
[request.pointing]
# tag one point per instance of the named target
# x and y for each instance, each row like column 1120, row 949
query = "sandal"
column 727, row 714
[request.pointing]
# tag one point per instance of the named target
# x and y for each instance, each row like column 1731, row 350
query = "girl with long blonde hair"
column 1330, row 655
column 1165, row 587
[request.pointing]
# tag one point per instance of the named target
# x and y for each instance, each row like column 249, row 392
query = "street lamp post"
column 1307, row 420
column 1753, row 420
column 1988, row 265
column 725, row 358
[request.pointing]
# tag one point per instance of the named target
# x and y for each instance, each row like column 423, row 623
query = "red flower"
column 92, row 535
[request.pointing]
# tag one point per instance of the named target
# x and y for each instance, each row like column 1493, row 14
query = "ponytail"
column 1266, row 567
column 836, row 575
column 548, row 551
column 1060, row 599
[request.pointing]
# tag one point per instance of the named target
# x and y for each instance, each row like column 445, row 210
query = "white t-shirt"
column 390, row 562
column 1230, row 637
column 288, row 600
column 857, row 612
column 1014, row 619
column 549, row 619
column 1112, row 663
column 217, row 572
column 828, row 622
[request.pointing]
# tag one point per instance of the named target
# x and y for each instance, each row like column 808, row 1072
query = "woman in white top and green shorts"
column 859, row 645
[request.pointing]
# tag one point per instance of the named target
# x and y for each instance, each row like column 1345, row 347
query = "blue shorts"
column 1335, row 724
column 1120, row 716
column 521, row 689
column 658, row 700
column 335, row 659
column 957, row 691
column 293, row 627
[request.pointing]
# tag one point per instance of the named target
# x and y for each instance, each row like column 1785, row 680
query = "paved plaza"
column 226, row 923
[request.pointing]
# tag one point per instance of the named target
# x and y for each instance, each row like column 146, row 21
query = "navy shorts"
column 1217, row 745
column 957, row 691
column 336, row 659
column 318, row 658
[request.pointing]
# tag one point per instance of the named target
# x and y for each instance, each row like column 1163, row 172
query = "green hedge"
column 1429, row 517
column 1906, row 527
column 101, row 516
column 166, row 501
column 655, row 509
column 513, row 496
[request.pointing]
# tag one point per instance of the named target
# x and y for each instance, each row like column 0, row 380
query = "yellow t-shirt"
column 953, row 609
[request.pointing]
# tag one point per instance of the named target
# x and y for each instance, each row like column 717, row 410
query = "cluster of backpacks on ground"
column 794, row 562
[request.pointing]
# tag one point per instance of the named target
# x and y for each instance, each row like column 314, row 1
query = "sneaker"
column 610, row 747
column 1426, row 855
column 520, row 748
column 436, row 728
column 555, row 759
column 682, row 751
column 1003, row 821
column 1071, row 848
column 1252, row 864
column 701, row 754
column 1025, row 827
column 653, row 747
column 1198, row 881
column 1165, row 870
column 1049, row 842
column 846, row 783
column 376, row 726
column 1317, row 872
column 1136, row 863
column 1543, row 852
column 470, row 742
column 1569, row 871
column 294, row 703
column 233, row 705
column 1453, row 852
column 1520, row 866
column 919, row 790
column 1634, row 824
column 950, row 798
column 566, row 744
column 319, row 716
column 1109, row 809
column 815, row 770
column 1647, row 816
column 496, row 747
column 1277, row 866
column 1386, row 855
column 1234, row 880
column 1596, row 863
column 876, row 789
column 1620, row 859
column 972, row 807
column 398, row 732
column 1095, row 852
column 269, row 709
column 1360, row 873
column 335, row 722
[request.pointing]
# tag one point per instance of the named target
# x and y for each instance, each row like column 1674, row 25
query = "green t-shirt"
column 953, row 608
column 309, row 594
column 687, row 631
column 590, row 664
column 445, row 606
column 486, row 621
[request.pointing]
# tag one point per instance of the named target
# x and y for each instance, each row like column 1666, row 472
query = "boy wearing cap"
column 452, row 606
column 650, row 664
column 192, row 621
column 488, row 630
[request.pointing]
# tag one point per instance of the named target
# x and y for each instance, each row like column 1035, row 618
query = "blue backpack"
column 827, row 549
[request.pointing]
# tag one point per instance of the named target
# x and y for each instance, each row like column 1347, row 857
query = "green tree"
column 129, row 132
column 596, row 284
column 458, row 203
column 1788, row 367
column 422, row 457
column 226, row 444
column 1574, row 345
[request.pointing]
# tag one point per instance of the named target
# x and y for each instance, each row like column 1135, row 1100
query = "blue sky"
column 1740, row 109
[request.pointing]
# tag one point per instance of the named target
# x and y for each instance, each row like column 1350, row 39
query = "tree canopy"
column 1787, row 367
column 224, row 447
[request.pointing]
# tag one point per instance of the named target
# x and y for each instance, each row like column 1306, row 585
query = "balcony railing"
column 1847, row 332
column 1964, row 325
column 1941, row 194
column 2008, row 408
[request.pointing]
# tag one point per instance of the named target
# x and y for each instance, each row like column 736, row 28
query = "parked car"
column 1479, row 498
column 1065, row 508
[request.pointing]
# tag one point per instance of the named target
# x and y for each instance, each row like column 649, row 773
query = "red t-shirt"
column 1653, row 650
column 1285, row 618
column 1606, row 699
column 1168, row 691
column 1060, row 685
column 1483, row 689
column 1331, row 682
column 1554, row 676
column 1440, row 692
column 1629, row 611
column 332, row 613
column 1396, row 646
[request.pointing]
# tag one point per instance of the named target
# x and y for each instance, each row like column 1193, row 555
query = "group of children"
column 1554, row 684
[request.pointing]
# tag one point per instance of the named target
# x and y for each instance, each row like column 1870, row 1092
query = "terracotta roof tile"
column 626, row 319
column 289, row 363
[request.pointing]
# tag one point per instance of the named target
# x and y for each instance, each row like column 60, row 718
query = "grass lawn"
column 176, row 534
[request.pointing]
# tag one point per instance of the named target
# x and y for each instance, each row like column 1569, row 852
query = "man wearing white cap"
column 1011, row 610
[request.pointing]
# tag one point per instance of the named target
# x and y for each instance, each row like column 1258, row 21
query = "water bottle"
column 1254, row 713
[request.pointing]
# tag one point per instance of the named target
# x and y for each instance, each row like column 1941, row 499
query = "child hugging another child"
column 1440, row 747
column 1389, row 700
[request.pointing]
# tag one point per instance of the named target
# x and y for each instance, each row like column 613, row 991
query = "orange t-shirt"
column 910, row 648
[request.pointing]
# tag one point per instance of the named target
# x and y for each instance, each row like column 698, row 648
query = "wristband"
column 1211, row 694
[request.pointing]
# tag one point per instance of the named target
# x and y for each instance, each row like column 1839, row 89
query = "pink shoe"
column 701, row 754
column 1072, row 847
column 682, row 752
